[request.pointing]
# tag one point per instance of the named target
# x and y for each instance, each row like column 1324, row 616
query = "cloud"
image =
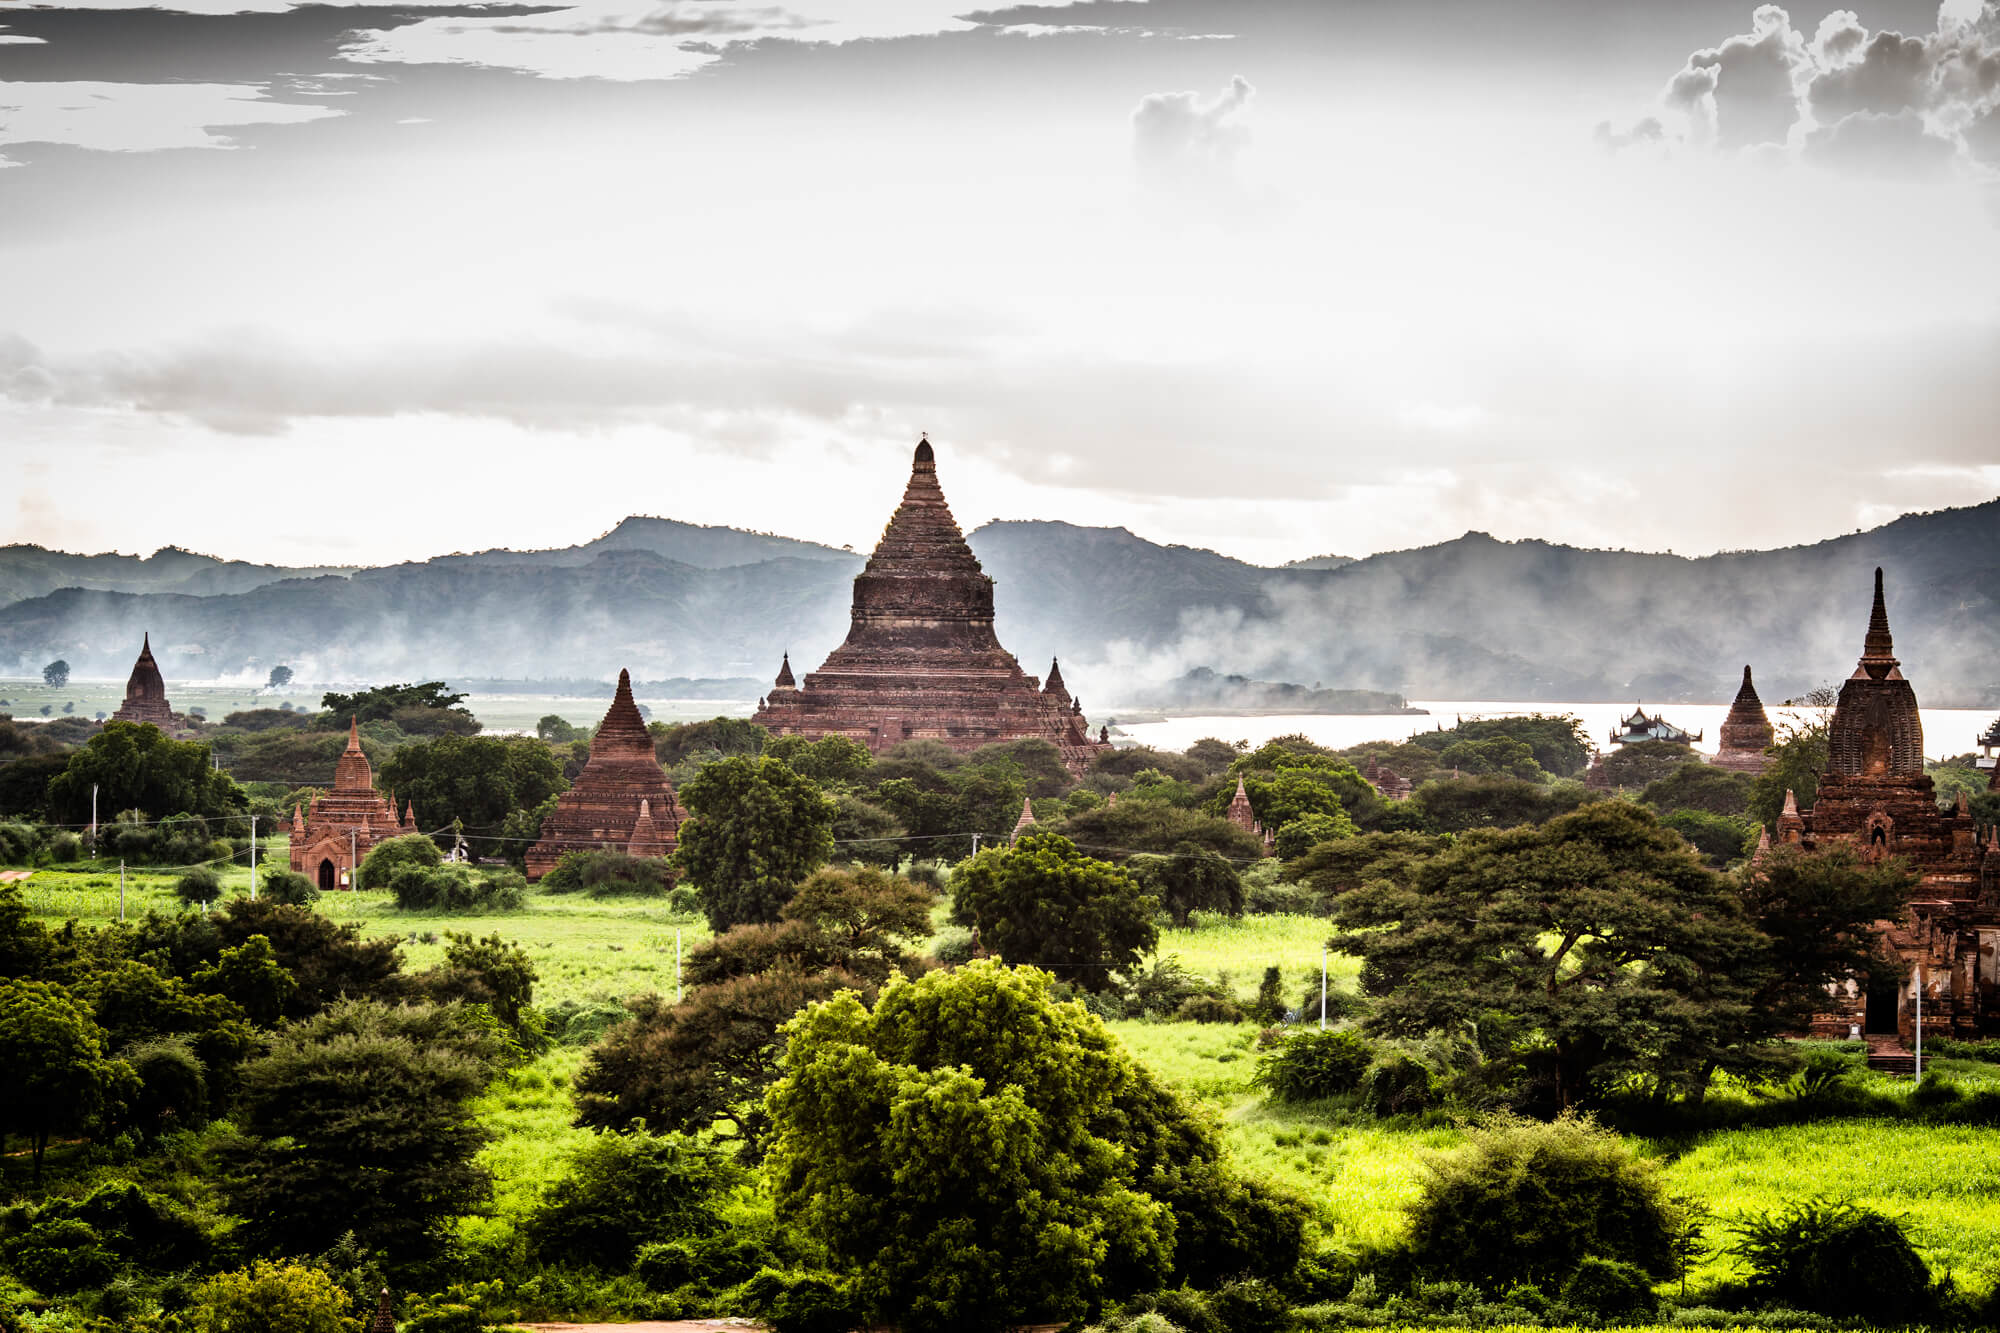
column 1884, row 104
column 1183, row 143
column 140, row 117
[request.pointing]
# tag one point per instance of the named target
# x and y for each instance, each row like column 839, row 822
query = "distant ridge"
column 1471, row 618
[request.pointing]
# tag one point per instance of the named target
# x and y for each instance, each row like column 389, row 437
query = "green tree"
column 1042, row 902
column 249, row 976
column 59, row 1079
column 136, row 766
column 1493, row 802
column 622, row 1191
column 1720, row 839
column 703, row 742
column 493, row 972
column 56, row 674
column 199, row 886
column 978, row 1156
column 1306, row 832
column 280, row 677
column 1598, row 941
column 478, row 780
column 1630, row 767
column 383, row 702
column 270, row 1297
column 1797, row 760
column 1530, row 1202
column 1558, row 744
column 555, row 731
column 360, row 1119
column 755, row 830
column 1699, row 786
column 1496, row 754
column 1836, row 1258
column 1817, row 909
column 1120, row 830
column 829, row 759
column 1190, row 879
column 866, row 831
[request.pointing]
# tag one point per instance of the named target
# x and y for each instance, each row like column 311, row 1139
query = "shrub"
column 1163, row 988
column 453, row 888
column 1609, row 1289
column 199, row 886
column 1311, row 1066
column 19, row 843
column 1208, row 1009
column 65, row 847
column 385, row 858
column 61, row 1256
column 1398, row 1085
column 1309, row 830
column 808, row 1302
column 713, row 1261
column 269, row 1298
column 288, row 886
column 1528, row 1201
column 1837, row 1259
column 604, row 873
column 1269, row 1006
column 623, row 1191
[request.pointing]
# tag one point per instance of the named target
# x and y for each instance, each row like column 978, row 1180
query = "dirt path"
column 656, row 1326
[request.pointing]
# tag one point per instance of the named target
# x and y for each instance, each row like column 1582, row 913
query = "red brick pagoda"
column 1876, row 797
column 921, row 659
column 146, row 692
column 343, row 825
column 620, row 802
column 1746, row 733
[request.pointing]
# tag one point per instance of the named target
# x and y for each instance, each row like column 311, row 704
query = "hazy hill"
column 1471, row 618
column 30, row 571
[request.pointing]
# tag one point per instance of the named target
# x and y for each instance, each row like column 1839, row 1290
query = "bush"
column 604, row 873
column 1208, row 1009
column 1528, row 1201
column 623, row 1191
column 714, row 1262
column 269, row 1298
column 65, row 847
column 385, row 858
column 1609, row 1289
column 454, row 888
column 199, row 887
column 60, row 1257
column 1398, row 1085
column 1836, row 1259
column 809, row 1302
column 19, row 843
column 1312, row 1066
column 288, row 886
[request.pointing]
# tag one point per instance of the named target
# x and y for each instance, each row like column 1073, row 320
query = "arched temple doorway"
column 327, row 875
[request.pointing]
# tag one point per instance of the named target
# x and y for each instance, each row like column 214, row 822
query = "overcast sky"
column 360, row 283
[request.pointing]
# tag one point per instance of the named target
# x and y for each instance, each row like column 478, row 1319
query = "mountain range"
column 1470, row 618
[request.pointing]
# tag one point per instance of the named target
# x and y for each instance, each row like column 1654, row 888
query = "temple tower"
column 146, row 692
column 620, row 802
column 344, row 824
column 1746, row 733
column 921, row 659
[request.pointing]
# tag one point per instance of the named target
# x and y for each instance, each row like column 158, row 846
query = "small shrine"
column 333, row 837
column 620, row 802
column 146, row 692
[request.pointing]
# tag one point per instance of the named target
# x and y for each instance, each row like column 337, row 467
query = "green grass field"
column 1944, row 1181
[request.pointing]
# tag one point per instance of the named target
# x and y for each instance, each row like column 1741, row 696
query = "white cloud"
column 140, row 117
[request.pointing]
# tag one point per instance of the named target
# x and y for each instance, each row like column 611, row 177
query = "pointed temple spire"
column 621, row 801
column 1055, row 685
column 385, row 1316
column 1746, row 733
column 1877, row 731
column 351, row 772
column 1024, row 823
column 146, row 691
column 1239, row 812
column 921, row 660
column 1878, row 650
column 786, row 680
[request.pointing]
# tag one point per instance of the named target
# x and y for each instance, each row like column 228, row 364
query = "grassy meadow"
column 1943, row 1181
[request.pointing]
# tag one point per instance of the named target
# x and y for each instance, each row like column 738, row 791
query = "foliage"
column 755, row 830
column 1134, row 826
column 24, row 783
column 1493, row 802
column 359, row 1121
column 704, row 742
column 1720, row 839
column 56, row 674
column 383, row 702
column 1699, row 786
column 1286, row 778
column 604, row 873
column 59, row 1079
column 199, row 887
column 865, row 831
column 1836, row 1258
column 136, row 766
column 829, row 759
column 249, row 976
column 1042, row 902
column 1190, row 879
column 1598, row 933
column 1529, row 1201
column 60, row 1256
column 385, row 858
column 1610, row 1289
column 280, row 677
column 328, row 960
column 1815, row 909
column 552, row 729
column 1306, row 832
column 1796, row 760
column 457, row 889
column 623, row 1191
column 957, row 1152
column 1314, row 1065
column 1557, row 744
column 1643, row 763
column 288, row 886
column 270, row 1297
column 478, row 780
column 1496, row 754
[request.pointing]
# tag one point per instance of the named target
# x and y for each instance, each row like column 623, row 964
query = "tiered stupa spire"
column 921, row 659
column 146, row 691
column 1746, row 733
column 621, row 785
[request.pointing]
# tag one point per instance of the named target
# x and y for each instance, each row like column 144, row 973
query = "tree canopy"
column 136, row 766
column 478, row 780
column 755, row 830
column 1043, row 902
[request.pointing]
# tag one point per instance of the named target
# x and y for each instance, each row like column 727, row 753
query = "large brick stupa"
column 146, row 692
column 620, row 802
column 1746, row 733
column 921, row 660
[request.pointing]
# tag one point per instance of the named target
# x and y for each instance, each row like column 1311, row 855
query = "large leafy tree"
column 360, row 1120
column 59, row 1079
column 136, row 766
column 1190, row 879
column 56, row 674
column 1598, row 941
column 383, row 702
column 755, row 830
column 1043, row 902
column 478, row 780
column 979, row 1156
column 1816, row 910
column 1558, row 744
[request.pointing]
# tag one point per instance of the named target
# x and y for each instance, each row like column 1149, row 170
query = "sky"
column 358, row 283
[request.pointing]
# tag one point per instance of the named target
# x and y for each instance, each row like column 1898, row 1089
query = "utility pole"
column 93, row 819
column 121, row 889
column 253, row 858
column 677, row 966
column 354, row 864
column 975, row 844
column 1920, row 1022
column 1322, row 988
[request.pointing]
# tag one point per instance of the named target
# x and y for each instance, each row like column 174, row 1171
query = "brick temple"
column 1746, row 733
column 1875, row 796
column 344, row 824
column 620, row 802
column 146, row 692
column 921, row 660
